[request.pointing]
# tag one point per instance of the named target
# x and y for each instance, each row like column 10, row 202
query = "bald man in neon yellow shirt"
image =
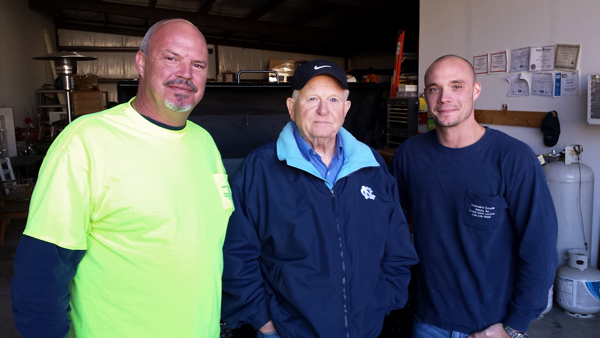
column 128, row 218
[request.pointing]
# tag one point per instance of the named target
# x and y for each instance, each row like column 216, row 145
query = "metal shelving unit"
column 45, row 108
column 402, row 120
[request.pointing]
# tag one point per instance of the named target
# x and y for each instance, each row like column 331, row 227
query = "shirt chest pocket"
column 483, row 212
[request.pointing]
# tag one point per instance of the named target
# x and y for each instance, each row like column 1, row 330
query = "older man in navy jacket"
column 318, row 245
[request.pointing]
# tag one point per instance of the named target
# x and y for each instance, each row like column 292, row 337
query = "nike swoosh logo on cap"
column 319, row 67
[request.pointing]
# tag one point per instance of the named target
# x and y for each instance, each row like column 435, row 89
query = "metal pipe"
column 257, row 71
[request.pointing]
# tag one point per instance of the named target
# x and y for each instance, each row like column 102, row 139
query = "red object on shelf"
column 371, row 78
column 423, row 117
column 398, row 64
column 29, row 135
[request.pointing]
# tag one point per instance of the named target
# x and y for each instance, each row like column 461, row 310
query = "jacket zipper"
column 343, row 265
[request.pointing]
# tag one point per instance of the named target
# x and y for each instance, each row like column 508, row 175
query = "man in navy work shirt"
column 484, row 224
column 318, row 245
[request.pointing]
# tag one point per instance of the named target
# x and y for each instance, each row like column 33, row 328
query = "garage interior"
column 248, row 41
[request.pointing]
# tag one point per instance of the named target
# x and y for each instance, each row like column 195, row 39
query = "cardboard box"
column 54, row 116
column 407, row 88
column 377, row 78
column 227, row 77
column 86, row 102
column 400, row 94
column 407, row 91
column 85, row 82
column 284, row 67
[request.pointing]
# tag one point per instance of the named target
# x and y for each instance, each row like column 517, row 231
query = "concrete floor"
column 555, row 324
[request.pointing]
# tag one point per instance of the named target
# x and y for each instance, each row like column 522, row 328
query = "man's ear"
column 347, row 105
column 140, row 62
column 476, row 90
column 290, row 106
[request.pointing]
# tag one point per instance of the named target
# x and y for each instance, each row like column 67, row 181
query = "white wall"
column 21, row 39
column 468, row 27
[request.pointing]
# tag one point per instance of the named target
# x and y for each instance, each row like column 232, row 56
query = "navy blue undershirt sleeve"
column 40, row 288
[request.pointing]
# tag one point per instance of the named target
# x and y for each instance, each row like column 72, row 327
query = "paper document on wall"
column 567, row 57
column 542, row 84
column 498, row 62
column 542, row 58
column 480, row 64
column 566, row 84
column 518, row 85
column 519, row 59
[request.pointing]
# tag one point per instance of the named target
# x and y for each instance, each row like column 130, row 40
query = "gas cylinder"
column 571, row 185
column 578, row 286
column 549, row 304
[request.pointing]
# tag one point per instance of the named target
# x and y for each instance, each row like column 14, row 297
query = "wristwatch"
column 514, row 334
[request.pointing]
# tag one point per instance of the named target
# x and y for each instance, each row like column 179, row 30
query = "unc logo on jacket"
column 367, row 192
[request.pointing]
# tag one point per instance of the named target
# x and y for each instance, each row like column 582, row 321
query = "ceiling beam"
column 207, row 6
column 266, row 8
column 151, row 4
column 328, row 50
column 374, row 4
column 319, row 12
column 58, row 14
column 83, row 49
column 101, row 29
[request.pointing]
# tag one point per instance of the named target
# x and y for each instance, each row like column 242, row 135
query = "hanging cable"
column 579, row 198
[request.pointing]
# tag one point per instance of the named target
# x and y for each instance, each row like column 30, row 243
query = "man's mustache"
column 180, row 81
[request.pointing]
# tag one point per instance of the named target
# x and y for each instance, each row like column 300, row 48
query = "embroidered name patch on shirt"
column 483, row 212
column 224, row 189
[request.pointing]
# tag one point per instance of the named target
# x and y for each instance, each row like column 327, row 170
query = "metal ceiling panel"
column 82, row 16
column 236, row 8
column 291, row 11
column 331, row 20
column 180, row 5
column 326, row 27
column 143, row 3
column 125, row 21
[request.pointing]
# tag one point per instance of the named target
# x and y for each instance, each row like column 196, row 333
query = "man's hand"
column 268, row 327
column 494, row 331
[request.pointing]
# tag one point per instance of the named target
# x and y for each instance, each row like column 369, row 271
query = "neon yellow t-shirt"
column 150, row 206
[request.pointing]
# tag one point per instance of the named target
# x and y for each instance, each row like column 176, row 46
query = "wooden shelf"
column 518, row 118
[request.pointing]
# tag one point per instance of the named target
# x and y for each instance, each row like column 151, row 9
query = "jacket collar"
column 357, row 155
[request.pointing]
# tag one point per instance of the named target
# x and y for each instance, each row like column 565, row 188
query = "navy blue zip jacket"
column 318, row 260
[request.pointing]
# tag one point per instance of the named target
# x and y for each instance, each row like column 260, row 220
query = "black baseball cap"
column 308, row 70
column 551, row 128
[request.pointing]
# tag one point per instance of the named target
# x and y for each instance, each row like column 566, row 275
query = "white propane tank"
column 549, row 305
column 578, row 286
column 571, row 185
